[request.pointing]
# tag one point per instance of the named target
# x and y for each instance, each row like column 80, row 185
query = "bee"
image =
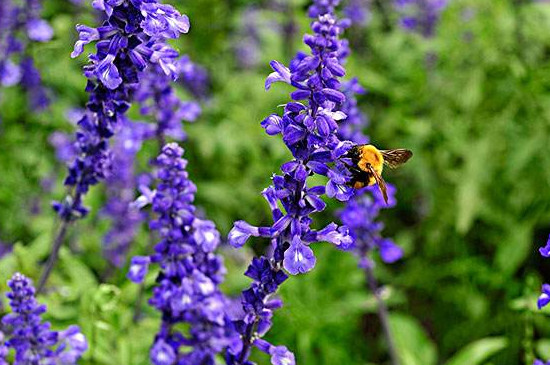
column 368, row 163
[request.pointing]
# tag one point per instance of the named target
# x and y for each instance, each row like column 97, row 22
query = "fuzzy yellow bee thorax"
column 371, row 155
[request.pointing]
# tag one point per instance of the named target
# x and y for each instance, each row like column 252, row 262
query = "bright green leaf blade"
column 413, row 345
column 479, row 351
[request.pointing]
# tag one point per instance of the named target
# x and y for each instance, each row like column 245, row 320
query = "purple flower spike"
column 420, row 16
column 358, row 12
column 361, row 212
column 20, row 28
column 157, row 96
column 32, row 340
column 125, row 217
column 186, row 289
column 131, row 40
column 309, row 127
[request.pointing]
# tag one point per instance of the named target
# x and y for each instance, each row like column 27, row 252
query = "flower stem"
column 139, row 303
column 53, row 255
column 247, row 342
column 381, row 7
column 289, row 31
column 382, row 314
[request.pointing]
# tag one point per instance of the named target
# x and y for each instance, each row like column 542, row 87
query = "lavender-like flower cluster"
column 254, row 320
column 132, row 39
column 158, row 99
column 358, row 12
column 121, row 185
column 194, row 78
column 33, row 340
column 360, row 216
column 351, row 128
column 187, row 286
column 20, row 25
column 420, row 16
column 309, row 128
column 248, row 42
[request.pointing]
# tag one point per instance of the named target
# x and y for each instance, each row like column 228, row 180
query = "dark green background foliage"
column 473, row 103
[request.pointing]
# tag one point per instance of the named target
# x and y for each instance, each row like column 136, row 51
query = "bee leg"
column 380, row 181
column 355, row 170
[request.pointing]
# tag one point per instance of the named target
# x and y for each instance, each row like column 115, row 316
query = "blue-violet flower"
column 33, row 340
column 186, row 289
column 309, row 128
column 131, row 39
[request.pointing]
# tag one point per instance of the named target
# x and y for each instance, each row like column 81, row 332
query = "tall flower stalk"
column 186, row 289
column 131, row 39
column 309, row 129
column 29, row 337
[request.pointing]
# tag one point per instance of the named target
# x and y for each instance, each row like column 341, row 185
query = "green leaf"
column 479, row 351
column 514, row 248
column 469, row 190
column 413, row 345
column 543, row 348
column 77, row 271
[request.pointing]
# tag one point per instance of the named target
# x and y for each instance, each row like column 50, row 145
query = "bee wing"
column 381, row 183
column 397, row 157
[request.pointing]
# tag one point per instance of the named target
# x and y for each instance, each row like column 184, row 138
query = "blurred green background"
column 472, row 102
